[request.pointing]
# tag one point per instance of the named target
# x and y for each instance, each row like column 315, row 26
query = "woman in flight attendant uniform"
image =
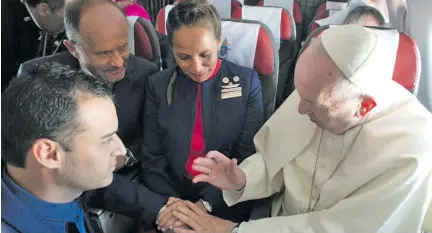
column 204, row 103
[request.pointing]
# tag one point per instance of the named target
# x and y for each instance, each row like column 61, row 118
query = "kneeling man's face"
column 95, row 146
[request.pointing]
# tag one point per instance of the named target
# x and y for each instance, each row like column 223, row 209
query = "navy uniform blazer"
column 129, row 94
column 229, row 127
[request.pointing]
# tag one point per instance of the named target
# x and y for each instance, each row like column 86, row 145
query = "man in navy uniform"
column 55, row 150
column 97, row 32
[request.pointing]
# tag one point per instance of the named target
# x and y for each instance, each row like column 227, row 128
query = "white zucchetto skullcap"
column 362, row 54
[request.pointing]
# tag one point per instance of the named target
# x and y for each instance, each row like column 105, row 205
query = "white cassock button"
column 322, row 165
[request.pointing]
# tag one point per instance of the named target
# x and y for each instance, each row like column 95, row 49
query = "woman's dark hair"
column 191, row 13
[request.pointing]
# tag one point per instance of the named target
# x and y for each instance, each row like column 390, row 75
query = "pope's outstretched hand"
column 219, row 171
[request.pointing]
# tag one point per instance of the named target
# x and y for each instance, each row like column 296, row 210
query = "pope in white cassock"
column 349, row 152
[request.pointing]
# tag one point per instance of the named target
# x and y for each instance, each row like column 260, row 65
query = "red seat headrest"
column 320, row 15
column 145, row 39
column 407, row 67
column 287, row 27
column 321, row 8
column 264, row 62
column 236, row 9
column 160, row 22
column 298, row 18
column 143, row 46
column 265, row 55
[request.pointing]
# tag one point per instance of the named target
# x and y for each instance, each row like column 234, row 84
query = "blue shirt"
column 29, row 214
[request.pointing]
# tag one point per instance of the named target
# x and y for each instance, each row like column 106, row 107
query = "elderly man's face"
column 321, row 98
column 104, row 47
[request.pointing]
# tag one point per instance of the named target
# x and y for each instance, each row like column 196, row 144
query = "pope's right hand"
column 219, row 171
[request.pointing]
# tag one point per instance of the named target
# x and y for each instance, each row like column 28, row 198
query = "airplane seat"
column 162, row 16
column 236, row 9
column 282, row 26
column 298, row 19
column 227, row 9
column 325, row 10
column 407, row 66
column 296, row 13
column 143, row 39
column 251, row 44
column 322, row 7
column 336, row 6
column 321, row 13
column 285, row 26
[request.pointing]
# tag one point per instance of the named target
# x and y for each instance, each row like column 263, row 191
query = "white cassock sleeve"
column 258, row 184
column 264, row 174
column 387, row 204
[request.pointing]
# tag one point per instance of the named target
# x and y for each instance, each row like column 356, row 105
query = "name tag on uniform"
column 231, row 89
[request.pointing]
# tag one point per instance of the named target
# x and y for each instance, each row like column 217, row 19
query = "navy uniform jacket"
column 129, row 94
column 229, row 127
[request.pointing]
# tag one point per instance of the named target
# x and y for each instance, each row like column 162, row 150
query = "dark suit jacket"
column 129, row 94
column 125, row 197
column 229, row 127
